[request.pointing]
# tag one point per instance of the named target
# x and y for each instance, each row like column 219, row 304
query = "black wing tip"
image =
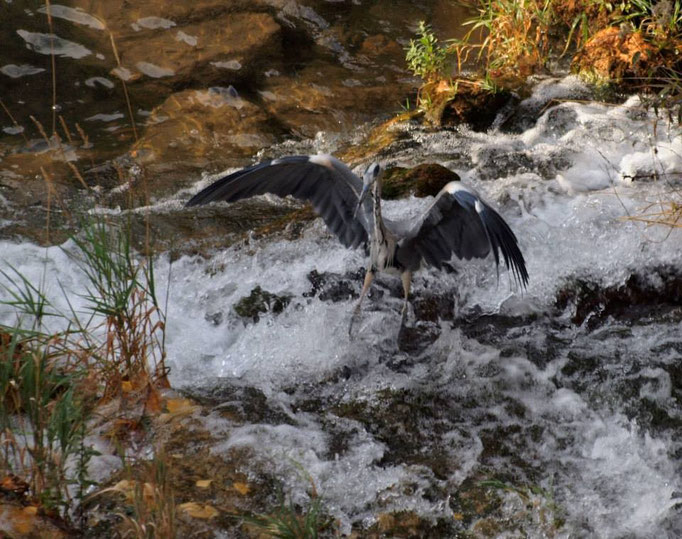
column 502, row 239
column 197, row 200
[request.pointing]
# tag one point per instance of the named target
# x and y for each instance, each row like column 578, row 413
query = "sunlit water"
column 564, row 187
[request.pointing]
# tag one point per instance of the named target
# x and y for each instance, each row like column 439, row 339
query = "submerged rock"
column 216, row 49
column 201, row 127
column 258, row 302
column 331, row 287
column 324, row 97
column 644, row 297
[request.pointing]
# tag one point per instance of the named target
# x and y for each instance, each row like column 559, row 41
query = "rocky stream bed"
column 495, row 412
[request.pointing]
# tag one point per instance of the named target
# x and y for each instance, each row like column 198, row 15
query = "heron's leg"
column 369, row 277
column 406, row 278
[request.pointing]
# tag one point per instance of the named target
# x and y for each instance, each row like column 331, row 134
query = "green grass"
column 121, row 292
column 290, row 522
column 51, row 378
column 42, row 420
column 513, row 39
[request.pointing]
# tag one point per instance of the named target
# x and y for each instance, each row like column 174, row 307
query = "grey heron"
column 457, row 222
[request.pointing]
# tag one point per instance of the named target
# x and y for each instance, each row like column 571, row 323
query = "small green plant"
column 660, row 20
column 153, row 506
column 42, row 419
column 549, row 513
column 121, row 290
column 54, row 364
column 288, row 522
column 425, row 57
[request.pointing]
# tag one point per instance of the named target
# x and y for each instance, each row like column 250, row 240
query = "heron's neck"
column 378, row 221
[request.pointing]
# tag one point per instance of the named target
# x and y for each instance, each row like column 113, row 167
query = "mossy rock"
column 260, row 301
column 475, row 107
column 423, row 180
column 466, row 102
column 378, row 140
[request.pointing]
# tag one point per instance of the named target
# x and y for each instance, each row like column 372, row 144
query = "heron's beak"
column 363, row 196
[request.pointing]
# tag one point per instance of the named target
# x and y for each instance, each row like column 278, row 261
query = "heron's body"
column 458, row 222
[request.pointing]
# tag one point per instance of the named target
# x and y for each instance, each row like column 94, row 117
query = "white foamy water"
column 564, row 186
column 53, row 44
column 76, row 15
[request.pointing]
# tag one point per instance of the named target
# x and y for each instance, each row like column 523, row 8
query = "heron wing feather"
column 326, row 182
column 460, row 223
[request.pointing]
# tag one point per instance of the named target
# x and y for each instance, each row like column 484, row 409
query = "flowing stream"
column 567, row 394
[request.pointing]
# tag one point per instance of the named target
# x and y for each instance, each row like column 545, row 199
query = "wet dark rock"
column 410, row 423
column 473, row 500
column 333, row 287
column 470, row 105
column 579, row 366
column 408, row 524
column 202, row 230
column 494, row 507
column 431, row 307
column 258, row 302
column 289, row 226
column 559, row 120
column 494, row 163
column 423, row 180
column 413, row 340
column 525, row 114
column 242, row 404
column 500, row 162
column 652, row 294
column 381, row 141
column 215, row 318
column 654, row 416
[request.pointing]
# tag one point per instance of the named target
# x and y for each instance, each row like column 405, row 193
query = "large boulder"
column 202, row 129
column 224, row 49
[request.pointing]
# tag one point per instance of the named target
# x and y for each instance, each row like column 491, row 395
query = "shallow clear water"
column 590, row 414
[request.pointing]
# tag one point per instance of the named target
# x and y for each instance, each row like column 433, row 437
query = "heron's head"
column 372, row 174
column 369, row 178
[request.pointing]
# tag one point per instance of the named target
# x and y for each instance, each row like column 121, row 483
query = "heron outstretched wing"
column 325, row 181
column 460, row 222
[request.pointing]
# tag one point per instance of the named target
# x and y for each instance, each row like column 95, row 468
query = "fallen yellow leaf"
column 242, row 488
column 127, row 488
column 153, row 402
column 204, row 483
column 20, row 520
column 196, row 510
column 123, row 486
column 148, row 494
column 180, row 406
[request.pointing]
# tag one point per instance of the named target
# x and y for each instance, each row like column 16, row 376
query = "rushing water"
column 582, row 404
